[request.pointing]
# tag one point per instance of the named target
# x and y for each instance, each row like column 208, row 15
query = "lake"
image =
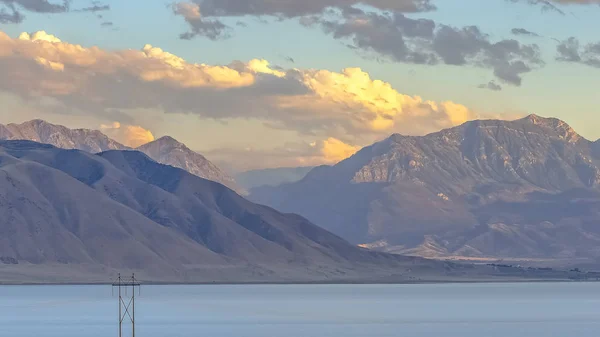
column 461, row 310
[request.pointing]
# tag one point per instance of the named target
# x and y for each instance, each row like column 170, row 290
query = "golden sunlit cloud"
column 188, row 10
column 334, row 150
column 372, row 105
column 129, row 135
column 326, row 152
column 39, row 36
column 328, row 106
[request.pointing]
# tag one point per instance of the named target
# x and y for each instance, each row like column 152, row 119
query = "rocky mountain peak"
column 396, row 137
column 167, row 150
column 514, row 151
column 486, row 183
column 36, row 122
column 169, row 146
column 536, row 119
column 167, row 140
column 57, row 135
column 561, row 128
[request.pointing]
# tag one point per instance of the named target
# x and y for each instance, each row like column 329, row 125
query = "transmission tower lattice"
column 126, row 303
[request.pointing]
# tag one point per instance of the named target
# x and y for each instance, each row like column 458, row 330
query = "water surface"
column 467, row 310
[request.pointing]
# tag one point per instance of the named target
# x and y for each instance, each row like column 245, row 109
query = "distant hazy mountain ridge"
column 271, row 177
column 165, row 150
column 169, row 151
column 43, row 132
column 483, row 189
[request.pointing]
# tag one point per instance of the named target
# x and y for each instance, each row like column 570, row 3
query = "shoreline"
column 31, row 284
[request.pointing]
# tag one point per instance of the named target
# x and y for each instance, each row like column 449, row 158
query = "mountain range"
column 92, row 141
column 169, row 151
column 271, row 177
column 74, row 216
column 165, row 150
column 488, row 189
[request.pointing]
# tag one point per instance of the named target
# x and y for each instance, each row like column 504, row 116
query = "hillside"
column 169, row 151
column 165, row 150
column 72, row 216
column 524, row 189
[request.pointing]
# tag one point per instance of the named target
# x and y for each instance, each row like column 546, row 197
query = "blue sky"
column 566, row 90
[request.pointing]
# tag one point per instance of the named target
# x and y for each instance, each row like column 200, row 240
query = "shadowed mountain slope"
column 73, row 216
column 165, row 150
column 500, row 189
column 169, row 151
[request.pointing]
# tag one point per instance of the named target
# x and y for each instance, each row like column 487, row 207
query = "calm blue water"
column 481, row 310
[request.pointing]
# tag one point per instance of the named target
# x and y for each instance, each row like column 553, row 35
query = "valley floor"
column 417, row 274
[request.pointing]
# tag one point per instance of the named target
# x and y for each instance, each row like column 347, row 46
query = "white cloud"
column 39, row 36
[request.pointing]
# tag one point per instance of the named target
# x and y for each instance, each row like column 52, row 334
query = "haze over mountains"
column 526, row 190
column 271, row 177
column 165, row 150
column 75, row 216
column 72, row 216
column 486, row 189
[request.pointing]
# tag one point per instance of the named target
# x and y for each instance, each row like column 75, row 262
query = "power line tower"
column 126, row 303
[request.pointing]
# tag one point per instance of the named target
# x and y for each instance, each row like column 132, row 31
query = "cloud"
column 130, row 135
column 422, row 41
column 203, row 15
column 289, row 59
column 349, row 105
column 294, row 9
column 491, row 85
column 334, row 150
column 55, row 66
column 39, row 36
column 95, row 7
column 571, row 50
column 11, row 10
column 243, row 159
column 292, row 154
column 199, row 26
column 351, row 100
column 39, row 6
column 523, row 32
column 384, row 31
column 10, row 15
column 385, row 34
column 188, row 10
column 554, row 5
column 546, row 5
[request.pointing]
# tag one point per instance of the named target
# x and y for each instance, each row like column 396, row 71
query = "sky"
column 280, row 83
